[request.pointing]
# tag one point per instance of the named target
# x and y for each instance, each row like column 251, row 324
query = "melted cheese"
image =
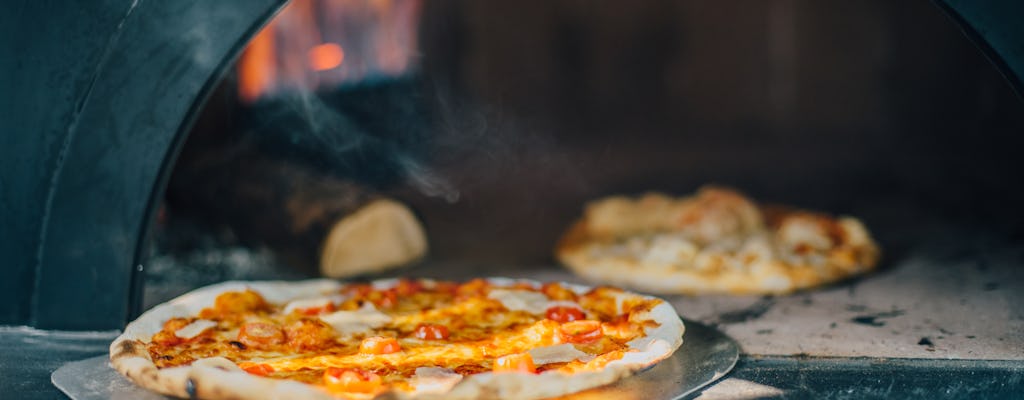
column 362, row 320
column 525, row 300
column 194, row 329
column 311, row 303
column 434, row 379
column 521, row 300
column 669, row 251
column 502, row 342
column 558, row 353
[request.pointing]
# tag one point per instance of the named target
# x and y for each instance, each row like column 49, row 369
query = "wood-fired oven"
column 148, row 148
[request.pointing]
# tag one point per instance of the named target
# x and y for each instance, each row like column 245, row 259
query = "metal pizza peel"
column 705, row 356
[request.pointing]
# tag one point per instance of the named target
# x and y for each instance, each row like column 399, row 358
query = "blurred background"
column 495, row 122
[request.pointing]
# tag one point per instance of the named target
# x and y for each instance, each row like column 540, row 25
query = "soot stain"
column 753, row 312
column 855, row 307
column 873, row 319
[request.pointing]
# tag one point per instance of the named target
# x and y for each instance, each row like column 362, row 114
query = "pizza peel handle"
column 705, row 356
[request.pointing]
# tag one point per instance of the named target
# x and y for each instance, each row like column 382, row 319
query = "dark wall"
column 850, row 107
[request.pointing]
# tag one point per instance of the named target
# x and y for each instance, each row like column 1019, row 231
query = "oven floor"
column 953, row 293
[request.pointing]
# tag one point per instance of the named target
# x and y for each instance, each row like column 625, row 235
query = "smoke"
column 429, row 182
column 377, row 133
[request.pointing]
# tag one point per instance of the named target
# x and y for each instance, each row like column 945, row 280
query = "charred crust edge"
column 128, row 348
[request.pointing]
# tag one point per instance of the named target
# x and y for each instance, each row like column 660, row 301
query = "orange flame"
column 315, row 44
column 325, row 56
column 256, row 66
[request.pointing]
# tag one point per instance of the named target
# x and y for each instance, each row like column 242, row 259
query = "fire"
column 325, row 56
column 316, row 44
column 256, row 68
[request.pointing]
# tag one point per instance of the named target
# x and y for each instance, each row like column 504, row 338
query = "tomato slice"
column 385, row 298
column 584, row 331
column 379, row 345
column 351, row 380
column 256, row 369
column 621, row 328
column 235, row 303
column 475, row 287
column 408, row 287
column 309, row 334
column 556, row 291
column 519, row 362
column 564, row 314
column 326, row 308
column 260, row 334
column 431, row 332
column 166, row 336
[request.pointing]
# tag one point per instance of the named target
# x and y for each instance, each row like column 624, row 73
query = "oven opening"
column 485, row 128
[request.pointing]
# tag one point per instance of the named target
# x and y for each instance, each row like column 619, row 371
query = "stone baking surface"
column 932, row 303
column 942, row 291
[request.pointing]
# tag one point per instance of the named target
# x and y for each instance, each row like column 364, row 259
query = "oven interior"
column 495, row 123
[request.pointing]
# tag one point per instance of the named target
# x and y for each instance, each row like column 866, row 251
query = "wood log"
column 317, row 222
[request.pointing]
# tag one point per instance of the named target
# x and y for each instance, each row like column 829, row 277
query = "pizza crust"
column 597, row 247
column 217, row 379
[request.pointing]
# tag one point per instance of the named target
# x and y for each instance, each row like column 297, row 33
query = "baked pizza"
column 717, row 241
column 402, row 339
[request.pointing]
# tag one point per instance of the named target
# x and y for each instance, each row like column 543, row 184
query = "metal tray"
column 706, row 356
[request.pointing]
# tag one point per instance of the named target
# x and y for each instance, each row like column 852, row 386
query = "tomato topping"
column 520, row 362
column 166, row 336
column 583, row 331
column 621, row 328
column 260, row 334
column 357, row 289
column 309, row 334
column 381, row 298
column 174, row 324
column 379, row 345
column 431, row 332
column 326, row 308
column 256, row 369
column 472, row 288
column 564, row 314
column 351, row 380
column 235, row 303
column 408, row 287
column 556, row 291
column 446, row 287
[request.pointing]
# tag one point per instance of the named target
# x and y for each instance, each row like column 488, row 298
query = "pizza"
column 716, row 241
column 398, row 338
